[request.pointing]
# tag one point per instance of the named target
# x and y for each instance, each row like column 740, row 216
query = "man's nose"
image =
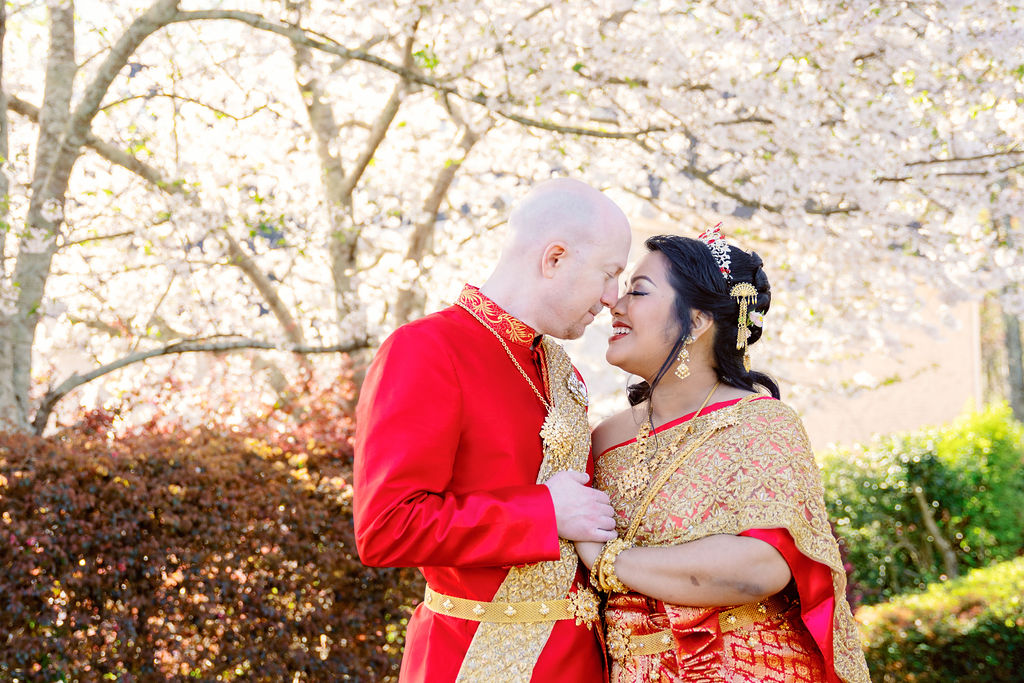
column 610, row 296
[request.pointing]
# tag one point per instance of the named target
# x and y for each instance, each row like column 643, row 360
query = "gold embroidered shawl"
column 750, row 467
column 508, row 652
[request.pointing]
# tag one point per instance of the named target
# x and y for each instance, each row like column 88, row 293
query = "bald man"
column 473, row 455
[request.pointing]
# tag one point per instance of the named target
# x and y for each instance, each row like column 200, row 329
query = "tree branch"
column 159, row 14
column 747, row 119
column 277, row 306
column 423, row 232
column 79, row 124
column 108, row 151
column 189, row 100
column 304, row 37
column 977, row 157
column 378, row 130
column 236, row 253
column 945, row 549
column 98, row 238
column 187, row 346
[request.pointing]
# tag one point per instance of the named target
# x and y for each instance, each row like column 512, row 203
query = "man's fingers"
column 581, row 477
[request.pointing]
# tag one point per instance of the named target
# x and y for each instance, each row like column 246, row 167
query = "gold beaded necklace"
column 635, row 480
column 540, row 396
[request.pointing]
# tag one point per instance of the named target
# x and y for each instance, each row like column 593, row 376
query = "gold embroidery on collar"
column 503, row 322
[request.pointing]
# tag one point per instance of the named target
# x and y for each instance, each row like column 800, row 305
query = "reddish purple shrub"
column 209, row 554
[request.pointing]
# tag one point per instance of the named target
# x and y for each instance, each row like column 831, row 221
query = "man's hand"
column 581, row 513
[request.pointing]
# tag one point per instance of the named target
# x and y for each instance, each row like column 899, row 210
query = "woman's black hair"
column 699, row 284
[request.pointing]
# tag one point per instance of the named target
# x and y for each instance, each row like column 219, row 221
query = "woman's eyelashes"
column 636, row 292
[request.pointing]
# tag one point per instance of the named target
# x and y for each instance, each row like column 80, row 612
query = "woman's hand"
column 588, row 551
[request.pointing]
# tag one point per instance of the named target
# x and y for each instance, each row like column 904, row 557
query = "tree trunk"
column 11, row 416
column 1015, row 364
column 993, row 351
column 39, row 242
column 945, row 549
column 5, row 185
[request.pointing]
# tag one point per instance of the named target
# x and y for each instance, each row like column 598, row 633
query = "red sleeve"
column 408, row 423
column 814, row 584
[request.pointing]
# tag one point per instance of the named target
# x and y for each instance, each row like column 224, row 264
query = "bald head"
column 567, row 244
column 562, row 209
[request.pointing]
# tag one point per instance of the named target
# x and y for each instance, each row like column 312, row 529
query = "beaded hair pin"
column 719, row 249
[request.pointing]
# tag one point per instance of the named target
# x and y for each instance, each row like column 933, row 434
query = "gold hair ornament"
column 746, row 296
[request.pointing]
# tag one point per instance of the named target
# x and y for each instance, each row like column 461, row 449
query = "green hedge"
column 971, row 478
column 968, row 629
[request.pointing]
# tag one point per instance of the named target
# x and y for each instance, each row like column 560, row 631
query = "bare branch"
column 817, row 208
column 945, row 548
column 377, row 131
column 160, row 14
column 325, row 128
column 423, row 232
column 189, row 100
column 109, row 151
column 303, row 37
column 277, row 306
column 977, row 157
column 98, row 238
column 746, row 119
column 187, row 346
column 78, row 128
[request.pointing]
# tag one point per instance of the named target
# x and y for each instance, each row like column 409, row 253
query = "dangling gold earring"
column 683, row 370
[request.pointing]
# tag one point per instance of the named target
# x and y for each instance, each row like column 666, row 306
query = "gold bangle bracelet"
column 595, row 569
column 607, row 578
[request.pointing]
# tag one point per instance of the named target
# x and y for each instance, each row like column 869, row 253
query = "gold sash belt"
column 622, row 645
column 581, row 605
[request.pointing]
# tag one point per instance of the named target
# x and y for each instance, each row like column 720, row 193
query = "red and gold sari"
column 745, row 468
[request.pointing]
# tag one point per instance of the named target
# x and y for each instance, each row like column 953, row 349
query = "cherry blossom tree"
column 211, row 175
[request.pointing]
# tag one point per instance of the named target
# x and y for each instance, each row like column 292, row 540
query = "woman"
column 725, row 568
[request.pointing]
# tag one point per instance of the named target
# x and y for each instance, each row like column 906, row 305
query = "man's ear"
column 700, row 323
column 552, row 257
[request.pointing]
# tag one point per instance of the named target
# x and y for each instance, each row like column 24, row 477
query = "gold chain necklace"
column 635, row 480
column 547, row 406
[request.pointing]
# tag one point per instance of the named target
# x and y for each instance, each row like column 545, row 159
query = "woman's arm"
column 713, row 571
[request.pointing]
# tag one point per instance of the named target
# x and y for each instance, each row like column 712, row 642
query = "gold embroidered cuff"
column 581, row 605
column 606, row 577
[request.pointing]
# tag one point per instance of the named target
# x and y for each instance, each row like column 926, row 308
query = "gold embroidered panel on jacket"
column 509, row 652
